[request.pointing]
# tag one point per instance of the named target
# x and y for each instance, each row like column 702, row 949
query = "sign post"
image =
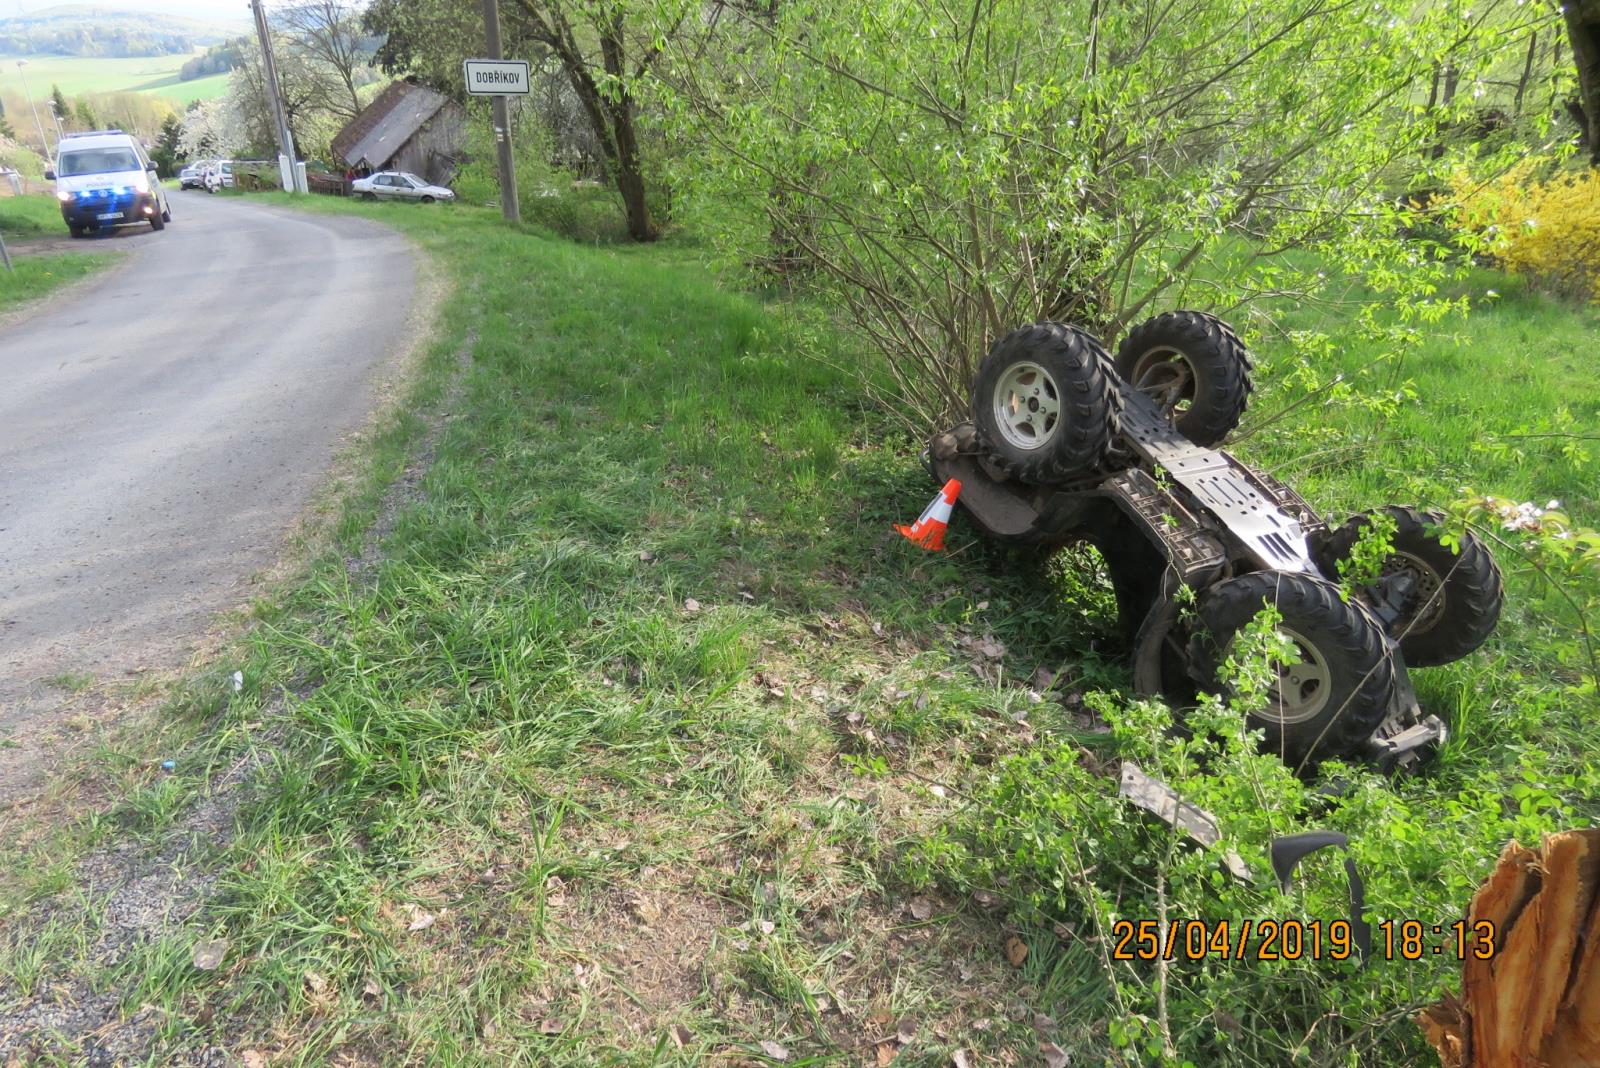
column 497, row 77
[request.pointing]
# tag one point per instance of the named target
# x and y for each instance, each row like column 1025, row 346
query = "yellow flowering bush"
column 1546, row 229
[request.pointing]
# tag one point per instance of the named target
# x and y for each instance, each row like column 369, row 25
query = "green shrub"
column 1048, row 832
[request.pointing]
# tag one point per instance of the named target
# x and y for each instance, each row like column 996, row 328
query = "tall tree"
column 59, row 105
column 606, row 50
column 1583, row 32
column 329, row 31
column 308, row 88
column 167, row 151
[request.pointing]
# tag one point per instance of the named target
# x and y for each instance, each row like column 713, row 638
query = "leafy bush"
column 1546, row 229
column 1048, row 834
column 22, row 159
column 583, row 211
column 944, row 175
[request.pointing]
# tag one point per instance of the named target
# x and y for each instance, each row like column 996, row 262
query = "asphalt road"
column 161, row 429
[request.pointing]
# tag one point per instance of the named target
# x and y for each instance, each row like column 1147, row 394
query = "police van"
column 104, row 179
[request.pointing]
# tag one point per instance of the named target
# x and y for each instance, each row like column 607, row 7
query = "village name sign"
column 497, row 77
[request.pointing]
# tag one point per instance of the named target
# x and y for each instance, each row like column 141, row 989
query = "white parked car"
column 398, row 185
column 218, row 175
column 104, row 179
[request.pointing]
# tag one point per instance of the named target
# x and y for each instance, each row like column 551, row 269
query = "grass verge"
column 35, row 275
column 646, row 742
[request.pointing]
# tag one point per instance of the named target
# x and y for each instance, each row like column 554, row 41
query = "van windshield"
column 97, row 161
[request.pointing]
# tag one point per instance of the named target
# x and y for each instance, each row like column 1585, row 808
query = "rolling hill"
column 98, row 32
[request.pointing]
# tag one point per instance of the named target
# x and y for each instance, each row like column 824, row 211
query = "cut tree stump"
column 1535, row 1003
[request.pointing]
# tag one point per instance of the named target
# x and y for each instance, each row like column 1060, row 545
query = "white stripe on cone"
column 928, row 530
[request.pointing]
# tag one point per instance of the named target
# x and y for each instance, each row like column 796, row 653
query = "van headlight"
column 63, row 196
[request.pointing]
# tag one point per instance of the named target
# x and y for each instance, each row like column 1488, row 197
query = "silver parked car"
column 194, row 175
column 398, row 185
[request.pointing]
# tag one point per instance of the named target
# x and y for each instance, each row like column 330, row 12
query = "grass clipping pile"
column 1536, row 1001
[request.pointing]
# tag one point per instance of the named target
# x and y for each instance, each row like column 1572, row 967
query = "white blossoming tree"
column 212, row 128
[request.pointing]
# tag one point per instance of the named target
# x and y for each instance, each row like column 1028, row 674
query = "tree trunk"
column 610, row 113
column 1527, row 74
column 629, row 174
column 1583, row 32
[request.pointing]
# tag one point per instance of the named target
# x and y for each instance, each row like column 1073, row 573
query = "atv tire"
column 1328, row 704
column 1456, row 598
column 1045, row 404
column 1194, row 367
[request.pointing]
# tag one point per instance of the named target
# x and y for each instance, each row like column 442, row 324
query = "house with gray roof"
column 406, row 128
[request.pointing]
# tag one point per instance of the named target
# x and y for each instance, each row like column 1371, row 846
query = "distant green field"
column 79, row 74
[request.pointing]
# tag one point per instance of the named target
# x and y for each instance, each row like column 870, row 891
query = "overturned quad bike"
column 1068, row 445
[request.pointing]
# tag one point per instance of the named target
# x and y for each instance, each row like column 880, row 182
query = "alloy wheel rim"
column 1304, row 683
column 1027, row 406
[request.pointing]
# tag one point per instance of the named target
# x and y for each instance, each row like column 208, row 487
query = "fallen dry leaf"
column 987, row 898
column 921, row 908
column 691, row 605
column 1043, row 1023
column 550, row 1026
column 906, row 1031
column 646, row 910
column 886, row 1052
column 645, row 556
column 1016, row 951
column 774, row 1050
column 371, row 988
column 207, row 955
column 421, row 919
column 317, row 982
column 1054, row 1055
column 253, row 1058
column 958, row 1059
column 681, row 1035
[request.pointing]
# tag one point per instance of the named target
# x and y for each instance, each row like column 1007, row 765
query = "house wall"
column 433, row 151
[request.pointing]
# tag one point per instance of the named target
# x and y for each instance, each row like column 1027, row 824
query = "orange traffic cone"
column 928, row 530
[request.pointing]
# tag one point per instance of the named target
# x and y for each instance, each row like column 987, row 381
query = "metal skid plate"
column 1273, row 538
column 1194, row 554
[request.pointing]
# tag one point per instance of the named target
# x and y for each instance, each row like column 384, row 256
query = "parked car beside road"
column 218, row 175
column 194, row 175
column 398, row 185
column 104, row 179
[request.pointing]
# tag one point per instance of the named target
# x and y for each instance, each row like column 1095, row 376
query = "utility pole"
column 43, row 140
column 509, row 205
column 269, row 70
